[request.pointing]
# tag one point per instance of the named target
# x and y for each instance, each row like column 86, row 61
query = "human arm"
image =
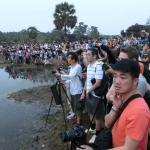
column 110, row 71
column 84, row 90
column 76, row 71
column 142, row 85
column 130, row 144
column 117, row 102
column 84, row 147
column 147, row 59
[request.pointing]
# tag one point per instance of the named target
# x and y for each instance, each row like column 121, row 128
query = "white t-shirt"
column 93, row 71
column 74, row 80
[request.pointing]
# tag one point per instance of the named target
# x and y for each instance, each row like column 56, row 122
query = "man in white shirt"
column 73, row 79
column 94, row 70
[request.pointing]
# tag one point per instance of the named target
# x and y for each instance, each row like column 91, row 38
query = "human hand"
column 62, row 72
column 82, row 95
column 62, row 83
column 84, row 147
column 84, row 75
column 87, row 95
column 57, row 74
column 116, row 100
column 110, row 70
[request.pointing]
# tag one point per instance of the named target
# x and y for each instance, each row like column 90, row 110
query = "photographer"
column 130, row 131
column 94, row 71
column 146, row 56
column 73, row 79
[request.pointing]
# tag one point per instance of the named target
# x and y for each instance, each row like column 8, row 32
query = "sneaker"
column 90, row 131
column 92, row 139
column 84, row 112
column 74, row 122
column 72, row 116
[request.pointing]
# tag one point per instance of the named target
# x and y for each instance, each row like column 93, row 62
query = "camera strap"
column 133, row 97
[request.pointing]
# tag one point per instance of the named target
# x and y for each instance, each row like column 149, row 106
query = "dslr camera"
column 84, row 70
column 58, row 69
column 77, row 136
column 106, row 67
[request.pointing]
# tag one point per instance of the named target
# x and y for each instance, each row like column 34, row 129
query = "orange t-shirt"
column 133, row 122
column 141, row 68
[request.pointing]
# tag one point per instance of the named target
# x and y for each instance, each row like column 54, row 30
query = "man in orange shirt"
column 130, row 132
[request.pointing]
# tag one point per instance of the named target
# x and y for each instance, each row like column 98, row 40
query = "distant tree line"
column 31, row 34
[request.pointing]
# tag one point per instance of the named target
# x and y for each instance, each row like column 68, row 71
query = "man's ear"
column 95, row 56
column 136, row 81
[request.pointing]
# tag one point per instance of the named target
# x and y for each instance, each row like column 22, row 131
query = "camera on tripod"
column 77, row 136
column 58, row 69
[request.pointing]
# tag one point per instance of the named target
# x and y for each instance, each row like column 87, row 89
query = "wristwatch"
column 114, row 110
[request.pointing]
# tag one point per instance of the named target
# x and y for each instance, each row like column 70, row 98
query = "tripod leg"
column 59, row 91
column 68, row 98
column 64, row 116
column 49, row 111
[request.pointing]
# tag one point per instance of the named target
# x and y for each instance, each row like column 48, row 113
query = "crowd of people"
column 124, row 60
column 44, row 53
column 125, row 66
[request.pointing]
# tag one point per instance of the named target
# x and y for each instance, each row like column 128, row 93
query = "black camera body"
column 76, row 136
column 84, row 70
column 106, row 67
column 58, row 69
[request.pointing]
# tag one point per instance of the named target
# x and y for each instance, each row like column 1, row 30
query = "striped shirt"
column 93, row 71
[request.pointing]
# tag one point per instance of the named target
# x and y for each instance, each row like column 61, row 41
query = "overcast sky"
column 110, row 16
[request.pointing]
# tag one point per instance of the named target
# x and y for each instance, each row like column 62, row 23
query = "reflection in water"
column 19, row 121
column 36, row 75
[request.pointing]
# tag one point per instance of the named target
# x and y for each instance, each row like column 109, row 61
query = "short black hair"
column 94, row 51
column 128, row 66
column 79, row 52
column 130, row 51
column 73, row 56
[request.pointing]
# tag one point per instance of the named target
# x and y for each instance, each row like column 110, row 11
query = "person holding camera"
column 146, row 56
column 94, row 70
column 73, row 79
column 130, row 131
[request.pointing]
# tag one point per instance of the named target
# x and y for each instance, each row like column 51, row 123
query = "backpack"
column 146, row 74
column 147, row 98
column 103, row 88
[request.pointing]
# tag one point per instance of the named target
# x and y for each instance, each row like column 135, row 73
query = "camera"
column 84, row 70
column 53, row 71
column 58, row 69
column 77, row 135
column 106, row 67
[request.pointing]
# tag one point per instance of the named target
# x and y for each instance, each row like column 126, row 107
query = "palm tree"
column 64, row 17
column 32, row 32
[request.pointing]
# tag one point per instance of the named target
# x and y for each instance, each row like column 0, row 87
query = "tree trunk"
column 65, row 37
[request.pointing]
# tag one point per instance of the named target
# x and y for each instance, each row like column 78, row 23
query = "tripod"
column 58, row 99
column 108, row 86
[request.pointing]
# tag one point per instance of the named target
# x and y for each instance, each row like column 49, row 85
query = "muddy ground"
column 48, row 137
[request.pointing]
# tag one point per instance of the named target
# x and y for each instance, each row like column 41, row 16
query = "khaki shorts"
column 76, row 104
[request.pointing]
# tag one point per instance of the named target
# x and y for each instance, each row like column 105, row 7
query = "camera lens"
column 68, row 136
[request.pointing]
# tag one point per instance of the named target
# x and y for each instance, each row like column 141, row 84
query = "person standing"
column 73, row 79
column 146, row 56
column 94, row 70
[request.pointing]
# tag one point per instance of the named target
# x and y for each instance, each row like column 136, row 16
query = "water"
column 13, row 79
column 19, row 120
